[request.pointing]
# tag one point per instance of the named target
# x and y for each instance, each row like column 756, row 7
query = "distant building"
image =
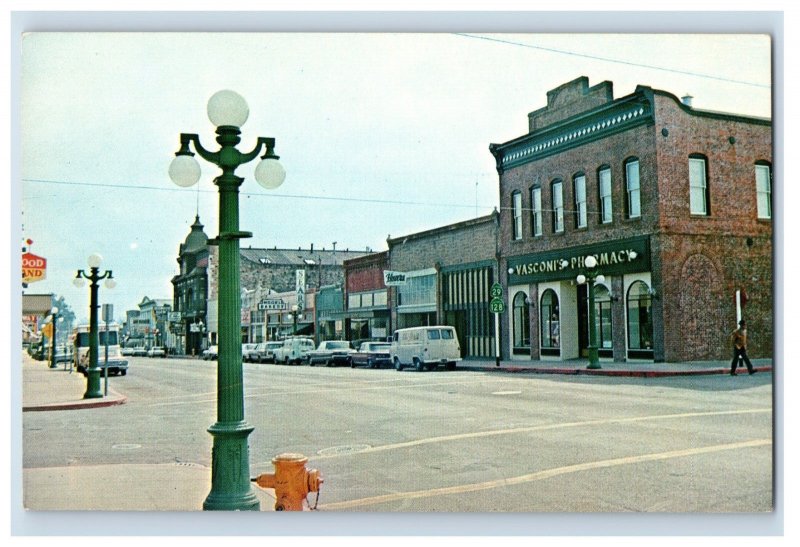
column 148, row 326
column 366, row 315
column 674, row 202
column 270, row 274
column 443, row 276
column 190, row 290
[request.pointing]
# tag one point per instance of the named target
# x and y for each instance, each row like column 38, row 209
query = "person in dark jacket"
column 739, row 341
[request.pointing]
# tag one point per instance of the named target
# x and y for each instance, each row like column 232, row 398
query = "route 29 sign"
column 34, row 268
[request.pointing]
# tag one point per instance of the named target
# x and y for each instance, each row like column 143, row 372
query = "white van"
column 425, row 348
column 294, row 350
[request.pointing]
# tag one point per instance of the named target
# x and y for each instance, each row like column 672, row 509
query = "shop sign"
column 393, row 279
column 300, row 289
column 616, row 257
column 274, row 304
column 34, row 268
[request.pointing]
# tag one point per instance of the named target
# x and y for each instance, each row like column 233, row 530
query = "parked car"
column 211, row 353
column 139, row 351
column 294, row 350
column 127, row 352
column 425, row 348
column 247, row 352
column 372, row 355
column 331, row 352
column 156, row 351
column 265, row 352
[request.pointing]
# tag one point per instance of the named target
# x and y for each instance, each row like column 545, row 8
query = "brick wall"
column 697, row 262
column 366, row 273
column 462, row 243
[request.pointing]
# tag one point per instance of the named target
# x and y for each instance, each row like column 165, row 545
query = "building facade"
column 366, row 314
column 444, row 276
column 190, row 293
column 675, row 204
column 279, row 289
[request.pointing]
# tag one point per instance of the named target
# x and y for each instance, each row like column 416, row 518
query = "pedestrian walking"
column 739, row 341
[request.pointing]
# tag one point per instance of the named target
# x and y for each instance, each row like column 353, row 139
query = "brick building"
column 674, row 202
column 273, row 273
column 366, row 314
column 443, row 276
column 189, row 290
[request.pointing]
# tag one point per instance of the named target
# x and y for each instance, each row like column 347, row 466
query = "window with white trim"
column 516, row 204
column 579, row 183
column 604, row 185
column 536, row 210
column 633, row 190
column 698, row 186
column 764, row 190
column 558, row 206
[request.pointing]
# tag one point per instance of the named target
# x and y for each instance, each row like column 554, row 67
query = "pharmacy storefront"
column 548, row 309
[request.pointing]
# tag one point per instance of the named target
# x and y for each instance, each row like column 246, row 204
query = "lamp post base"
column 594, row 359
column 93, row 390
column 231, row 488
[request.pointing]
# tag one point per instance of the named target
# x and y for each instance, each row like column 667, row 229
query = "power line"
column 611, row 60
column 291, row 196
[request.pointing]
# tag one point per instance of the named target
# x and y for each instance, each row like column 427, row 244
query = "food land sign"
column 34, row 268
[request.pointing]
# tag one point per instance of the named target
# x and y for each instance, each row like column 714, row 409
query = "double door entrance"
column 602, row 313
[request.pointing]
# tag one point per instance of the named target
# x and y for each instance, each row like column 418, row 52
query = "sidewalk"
column 184, row 486
column 640, row 369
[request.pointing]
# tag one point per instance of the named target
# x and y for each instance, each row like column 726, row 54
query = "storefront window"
column 602, row 310
column 418, row 291
column 522, row 337
column 551, row 326
column 640, row 318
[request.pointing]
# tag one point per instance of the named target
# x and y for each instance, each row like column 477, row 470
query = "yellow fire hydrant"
column 292, row 482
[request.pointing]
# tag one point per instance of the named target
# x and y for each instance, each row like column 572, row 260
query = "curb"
column 617, row 373
column 77, row 405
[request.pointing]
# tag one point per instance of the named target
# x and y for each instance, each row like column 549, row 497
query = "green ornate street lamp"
column 93, row 390
column 590, row 278
column 54, row 319
column 230, row 470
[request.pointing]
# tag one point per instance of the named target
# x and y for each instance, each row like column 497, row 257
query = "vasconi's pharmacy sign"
column 616, row 257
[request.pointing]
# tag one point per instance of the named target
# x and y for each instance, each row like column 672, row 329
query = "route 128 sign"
column 34, row 268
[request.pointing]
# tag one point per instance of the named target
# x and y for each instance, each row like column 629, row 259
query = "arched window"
column 640, row 320
column 764, row 189
column 521, row 326
column 550, row 322
column 602, row 313
column 634, row 198
column 516, row 205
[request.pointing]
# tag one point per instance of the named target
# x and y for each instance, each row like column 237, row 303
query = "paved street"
column 443, row 441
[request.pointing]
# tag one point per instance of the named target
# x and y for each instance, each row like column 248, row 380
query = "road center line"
column 542, row 475
column 272, row 392
column 561, row 425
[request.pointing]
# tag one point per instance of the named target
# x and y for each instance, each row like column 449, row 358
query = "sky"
column 380, row 134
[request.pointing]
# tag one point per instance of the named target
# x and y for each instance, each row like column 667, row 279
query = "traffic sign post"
column 496, row 306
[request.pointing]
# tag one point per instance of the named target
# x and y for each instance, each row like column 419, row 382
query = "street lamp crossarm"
column 194, row 138
column 267, row 142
